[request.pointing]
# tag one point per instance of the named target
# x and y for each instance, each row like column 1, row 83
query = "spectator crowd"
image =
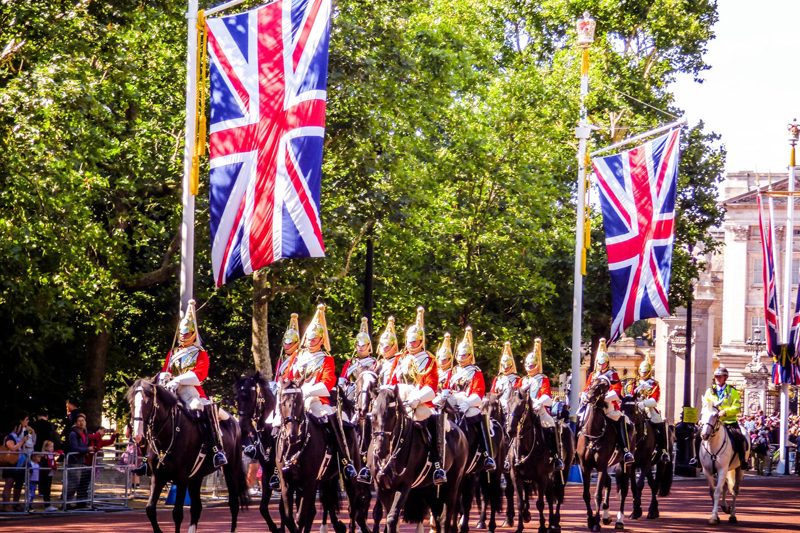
column 764, row 433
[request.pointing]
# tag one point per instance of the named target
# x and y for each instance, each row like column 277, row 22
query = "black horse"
column 402, row 469
column 255, row 402
column 532, row 469
column 646, row 456
column 477, row 480
column 179, row 452
column 597, row 443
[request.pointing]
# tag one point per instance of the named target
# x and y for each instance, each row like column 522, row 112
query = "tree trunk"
column 94, row 384
column 260, row 321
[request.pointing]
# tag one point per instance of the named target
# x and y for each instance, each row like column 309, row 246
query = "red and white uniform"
column 650, row 392
column 444, row 379
column 350, row 367
column 384, row 368
column 538, row 386
column 317, row 370
column 467, row 389
column 613, row 395
column 417, row 389
column 189, row 366
column 503, row 383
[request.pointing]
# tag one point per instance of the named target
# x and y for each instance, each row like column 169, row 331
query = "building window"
column 795, row 274
column 757, row 328
column 755, row 232
column 758, row 271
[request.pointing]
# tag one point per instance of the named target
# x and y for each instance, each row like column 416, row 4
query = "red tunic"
column 476, row 385
column 517, row 384
column 616, row 384
column 429, row 376
column 326, row 374
column 200, row 370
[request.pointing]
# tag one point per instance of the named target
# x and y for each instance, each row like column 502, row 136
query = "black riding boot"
column 220, row 459
column 488, row 462
column 143, row 470
column 334, row 429
column 661, row 440
column 550, row 434
column 435, row 427
column 741, row 447
column 622, row 435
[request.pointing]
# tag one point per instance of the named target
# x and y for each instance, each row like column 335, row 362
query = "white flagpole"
column 187, row 225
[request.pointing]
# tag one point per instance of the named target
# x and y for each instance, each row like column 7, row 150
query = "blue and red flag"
column 638, row 190
column 269, row 71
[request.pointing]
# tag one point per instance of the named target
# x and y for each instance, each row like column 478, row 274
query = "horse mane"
column 164, row 396
column 382, row 401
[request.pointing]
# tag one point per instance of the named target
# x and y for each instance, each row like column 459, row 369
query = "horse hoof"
column 726, row 509
column 652, row 515
column 619, row 525
column 636, row 514
column 480, row 525
column 733, row 520
column 713, row 521
column 526, row 517
column 508, row 523
column 542, row 529
column 606, row 521
column 596, row 528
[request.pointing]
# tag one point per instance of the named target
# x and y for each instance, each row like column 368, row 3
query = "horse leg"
column 467, row 495
column 623, row 482
column 509, row 493
column 551, row 515
column 522, row 499
column 263, row 508
column 587, row 496
column 196, row 506
column 377, row 513
column 598, row 499
column 287, row 507
column 482, row 496
column 734, row 482
column 605, row 492
column 177, row 510
column 652, row 512
column 236, row 483
column 495, row 498
column 398, row 502
column 156, row 486
column 714, row 520
column 542, row 487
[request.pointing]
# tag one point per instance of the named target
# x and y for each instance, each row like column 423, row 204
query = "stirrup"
column 506, row 467
column 143, row 470
column 365, row 476
column 744, row 465
column 348, row 471
column 665, row 457
column 489, row 464
column 439, row 476
column 250, row 451
column 558, row 464
column 693, row 461
column 220, row 459
column 628, row 458
column 274, row 482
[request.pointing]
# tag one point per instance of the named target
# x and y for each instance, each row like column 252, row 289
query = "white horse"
column 718, row 457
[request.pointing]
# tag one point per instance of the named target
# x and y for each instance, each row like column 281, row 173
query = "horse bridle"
column 520, row 425
column 396, row 442
column 303, row 431
column 151, row 435
column 258, row 416
column 585, row 430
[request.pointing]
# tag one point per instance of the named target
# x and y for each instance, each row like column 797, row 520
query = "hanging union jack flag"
column 638, row 190
column 770, row 285
column 268, row 70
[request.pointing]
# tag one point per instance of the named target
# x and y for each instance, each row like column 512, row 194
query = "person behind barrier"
column 79, row 475
column 14, row 477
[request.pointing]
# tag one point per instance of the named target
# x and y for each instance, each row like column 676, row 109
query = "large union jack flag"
column 638, row 190
column 268, row 70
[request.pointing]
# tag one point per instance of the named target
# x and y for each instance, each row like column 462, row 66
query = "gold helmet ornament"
column 533, row 361
column 188, row 326
column 417, row 331
column 465, row 352
column 318, row 328
column 507, row 364
column 444, row 355
column 602, row 357
column 388, row 337
column 646, row 367
column 362, row 339
column 292, row 333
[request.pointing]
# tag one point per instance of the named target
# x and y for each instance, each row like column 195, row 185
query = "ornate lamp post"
column 754, row 346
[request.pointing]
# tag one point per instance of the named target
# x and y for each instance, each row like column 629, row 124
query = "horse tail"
column 416, row 509
column 236, row 469
column 664, row 473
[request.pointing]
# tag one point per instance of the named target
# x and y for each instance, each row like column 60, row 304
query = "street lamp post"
column 754, row 345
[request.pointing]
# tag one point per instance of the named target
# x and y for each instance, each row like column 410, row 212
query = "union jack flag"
column 637, row 196
column 268, row 70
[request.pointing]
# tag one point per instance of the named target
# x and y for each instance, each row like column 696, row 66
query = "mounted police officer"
column 603, row 370
column 538, row 386
column 184, row 371
column 467, row 390
column 314, row 367
column 387, row 349
column 444, row 361
column 649, row 391
column 507, row 378
column 417, row 367
column 727, row 400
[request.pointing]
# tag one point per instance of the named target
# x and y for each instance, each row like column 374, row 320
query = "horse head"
column 596, row 395
column 387, row 416
column 518, row 407
column 366, row 392
column 292, row 410
column 254, row 399
column 709, row 420
column 491, row 407
column 149, row 402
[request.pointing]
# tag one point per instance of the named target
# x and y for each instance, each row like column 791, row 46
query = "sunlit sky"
column 751, row 92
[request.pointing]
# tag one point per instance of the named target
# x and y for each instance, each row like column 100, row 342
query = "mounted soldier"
column 362, row 358
column 603, row 370
column 538, row 386
column 444, row 361
column 649, row 391
column 467, row 389
column 416, row 366
column 507, row 378
column 387, row 349
column 314, row 367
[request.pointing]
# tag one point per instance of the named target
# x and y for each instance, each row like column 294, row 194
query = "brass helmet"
column 533, row 361
column 188, row 326
column 465, row 352
column 444, row 355
column 417, row 331
column 318, row 328
column 507, row 364
column 388, row 337
column 646, row 367
column 292, row 333
column 602, row 356
column 363, row 335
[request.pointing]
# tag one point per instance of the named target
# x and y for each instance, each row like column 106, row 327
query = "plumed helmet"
column 188, row 325
column 363, row 335
column 292, row 333
column 507, row 364
column 721, row 371
column 646, row 367
column 465, row 352
column 388, row 337
column 602, row 355
column 444, row 355
column 318, row 328
column 417, row 331
column 533, row 361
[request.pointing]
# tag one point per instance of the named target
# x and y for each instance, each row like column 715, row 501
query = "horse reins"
column 303, row 430
column 151, row 436
column 395, row 445
column 258, row 415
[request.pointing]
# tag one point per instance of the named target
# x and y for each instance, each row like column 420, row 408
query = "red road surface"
column 766, row 504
